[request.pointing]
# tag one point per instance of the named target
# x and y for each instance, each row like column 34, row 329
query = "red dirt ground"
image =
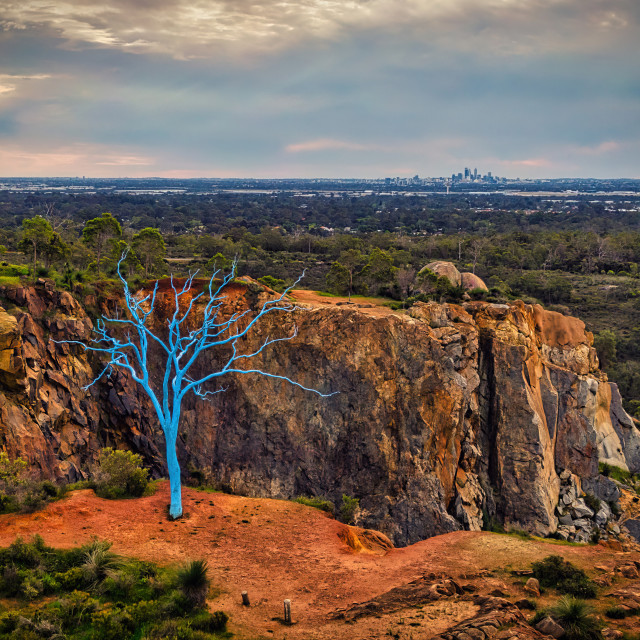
column 276, row 549
column 369, row 306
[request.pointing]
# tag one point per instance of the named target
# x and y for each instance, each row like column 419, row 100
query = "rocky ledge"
column 447, row 417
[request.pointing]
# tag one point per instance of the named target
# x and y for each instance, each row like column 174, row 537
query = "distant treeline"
column 577, row 256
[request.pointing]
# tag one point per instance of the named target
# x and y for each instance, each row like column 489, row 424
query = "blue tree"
column 127, row 340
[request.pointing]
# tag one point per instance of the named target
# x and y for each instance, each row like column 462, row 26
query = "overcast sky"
column 310, row 88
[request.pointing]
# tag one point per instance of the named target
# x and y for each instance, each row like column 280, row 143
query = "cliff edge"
column 446, row 416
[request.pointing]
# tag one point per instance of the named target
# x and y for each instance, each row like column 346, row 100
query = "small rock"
column 565, row 520
column 565, row 475
column 525, row 605
column 475, row 634
column 581, row 523
column 582, row 537
column 629, row 571
column 532, row 586
column 488, row 630
column 580, row 510
column 612, row 634
column 550, row 627
column 616, row 529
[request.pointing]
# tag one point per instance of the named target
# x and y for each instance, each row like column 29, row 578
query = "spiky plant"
column 576, row 618
column 194, row 582
column 99, row 560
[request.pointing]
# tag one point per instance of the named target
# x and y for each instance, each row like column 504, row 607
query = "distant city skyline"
column 311, row 88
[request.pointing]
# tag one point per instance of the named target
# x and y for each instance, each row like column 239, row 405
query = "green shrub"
column 609, row 470
column 111, row 624
column 120, row 475
column 210, row 622
column 131, row 597
column 616, row 613
column 349, row 508
column 11, row 473
column 99, row 560
column 538, row 617
column 592, row 502
column 577, row 619
column 71, row 579
column 194, row 582
column 8, row 504
column 76, row 608
column 8, row 621
column 11, row 581
column 615, row 508
column 318, row 503
column 555, row 572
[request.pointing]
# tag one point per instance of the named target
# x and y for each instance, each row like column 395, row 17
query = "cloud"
column 599, row 149
column 126, row 161
column 69, row 159
column 326, row 144
column 9, row 82
column 529, row 162
column 188, row 29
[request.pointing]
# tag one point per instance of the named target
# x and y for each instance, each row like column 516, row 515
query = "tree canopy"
column 99, row 232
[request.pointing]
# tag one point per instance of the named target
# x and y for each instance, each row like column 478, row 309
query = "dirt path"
column 277, row 549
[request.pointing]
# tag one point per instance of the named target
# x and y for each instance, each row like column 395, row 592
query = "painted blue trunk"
column 175, row 508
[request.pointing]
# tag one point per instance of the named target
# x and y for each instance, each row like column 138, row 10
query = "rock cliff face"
column 442, row 414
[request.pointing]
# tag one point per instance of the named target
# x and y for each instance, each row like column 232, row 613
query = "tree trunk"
column 175, row 509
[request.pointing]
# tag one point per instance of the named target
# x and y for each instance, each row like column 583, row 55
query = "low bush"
column 319, row 503
column 100, row 596
column 577, row 619
column 194, row 582
column 120, row 475
column 555, row 572
column 616, row 613
column 592, row 502
column 349, row 508
column 611, row 471
column 18, row 492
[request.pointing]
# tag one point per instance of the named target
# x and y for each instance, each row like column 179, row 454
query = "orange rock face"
column 441, row 414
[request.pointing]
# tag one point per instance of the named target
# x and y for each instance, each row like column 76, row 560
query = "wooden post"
column 287, row 611
column 245, row 598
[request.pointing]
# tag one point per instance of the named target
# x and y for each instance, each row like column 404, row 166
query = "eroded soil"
column 276, row 549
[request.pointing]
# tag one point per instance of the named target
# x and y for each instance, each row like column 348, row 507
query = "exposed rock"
column 626, row 430
column 494, row 614
column 602, row 487
column 550, row 627
column 629, row 571
column 365, row 540
column 446, row 412
column 565, row 520
column 470, row 281
column 633, row 525
column 580, row 510
column 425, row 589
column 445, row 270
column 532, row 587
